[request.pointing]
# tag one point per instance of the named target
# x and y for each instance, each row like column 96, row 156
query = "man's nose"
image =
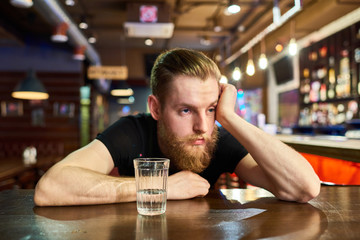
column 200, row 123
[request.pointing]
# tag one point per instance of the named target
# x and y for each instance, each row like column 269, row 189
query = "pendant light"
column 30, row 88
column 79, row 53
column 250, row 67
column 292, row 44
column 60, row 33
column 236, row 74
column 223, row 79
column 292, row 47
column 263, row 62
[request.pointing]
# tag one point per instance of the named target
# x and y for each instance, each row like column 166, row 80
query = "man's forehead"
column 193, row 91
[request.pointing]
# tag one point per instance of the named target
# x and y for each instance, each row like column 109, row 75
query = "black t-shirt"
column 136, row 136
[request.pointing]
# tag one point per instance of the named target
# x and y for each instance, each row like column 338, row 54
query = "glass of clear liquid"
column 151, row 185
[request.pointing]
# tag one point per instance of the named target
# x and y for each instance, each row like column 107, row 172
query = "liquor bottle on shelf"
column 343, row 80
column 305, row 89
column 305, row 85
column 334, row 114
column 323, row 92
column 321, row 74
column 341, row 116
column 352, row 110
column 357, row 61
column 323, row 51
column 315, row 91
column 332, row 81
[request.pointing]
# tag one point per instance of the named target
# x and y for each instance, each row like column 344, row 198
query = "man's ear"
column 154, row 106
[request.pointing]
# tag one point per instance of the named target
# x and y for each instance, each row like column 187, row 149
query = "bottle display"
column 330, row 79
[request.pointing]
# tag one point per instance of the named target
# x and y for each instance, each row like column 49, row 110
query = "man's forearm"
column 70, row 185
column 291, row 176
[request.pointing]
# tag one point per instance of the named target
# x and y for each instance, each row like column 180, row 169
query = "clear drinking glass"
column 151, row 185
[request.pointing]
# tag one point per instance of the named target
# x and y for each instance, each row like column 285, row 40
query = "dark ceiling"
column 193, row 19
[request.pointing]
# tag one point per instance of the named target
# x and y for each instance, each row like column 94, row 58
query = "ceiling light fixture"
column 70, row 2
column 60, row 33
column 292, row 44
column 30, row 88
column 263, row 62
column 298, row 6
column 218, row 28
column 292, row 47
column 22, row 3
column 232, row 8
column 236, row 74
column 149, row 42
column 122, row 92
column 217, row 25
column 92, row 39
column 279, row 47
column 205, row 41
column 83, row 23
column 250, row 67
column 241, row 28
column 79, row 53
column 223, row 79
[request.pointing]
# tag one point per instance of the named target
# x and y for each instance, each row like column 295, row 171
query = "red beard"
column 183, row 154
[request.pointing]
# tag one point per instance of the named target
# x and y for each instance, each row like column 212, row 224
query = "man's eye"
column 185, row 110
column 211, row 110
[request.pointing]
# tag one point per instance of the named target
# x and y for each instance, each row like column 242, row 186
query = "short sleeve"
column 230, row 151
column 125, row 140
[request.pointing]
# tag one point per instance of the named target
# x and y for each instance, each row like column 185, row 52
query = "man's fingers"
column 186, row 184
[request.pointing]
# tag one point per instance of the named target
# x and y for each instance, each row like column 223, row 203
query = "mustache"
column 193, row 137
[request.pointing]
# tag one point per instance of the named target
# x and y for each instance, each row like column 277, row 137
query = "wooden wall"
column 52, row 132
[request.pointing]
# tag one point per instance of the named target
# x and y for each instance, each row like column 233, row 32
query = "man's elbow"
column 303, row 194
column 41, row 195
column 309, row 192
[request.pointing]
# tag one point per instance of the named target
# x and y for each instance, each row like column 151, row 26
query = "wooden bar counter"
column 250, row 213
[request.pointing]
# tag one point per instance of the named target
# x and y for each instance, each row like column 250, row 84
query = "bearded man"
column 187, row 99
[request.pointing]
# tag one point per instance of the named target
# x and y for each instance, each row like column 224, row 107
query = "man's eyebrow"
column 214, row 102
column 183, row 104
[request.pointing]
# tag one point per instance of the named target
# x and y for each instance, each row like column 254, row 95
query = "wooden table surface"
column 223, row 214
column 13, row 166
column 14, row 173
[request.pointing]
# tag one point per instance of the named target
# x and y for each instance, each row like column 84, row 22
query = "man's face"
column 187, row 122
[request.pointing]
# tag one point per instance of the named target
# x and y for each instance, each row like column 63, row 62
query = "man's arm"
column 270, row 163
column 81, row 178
